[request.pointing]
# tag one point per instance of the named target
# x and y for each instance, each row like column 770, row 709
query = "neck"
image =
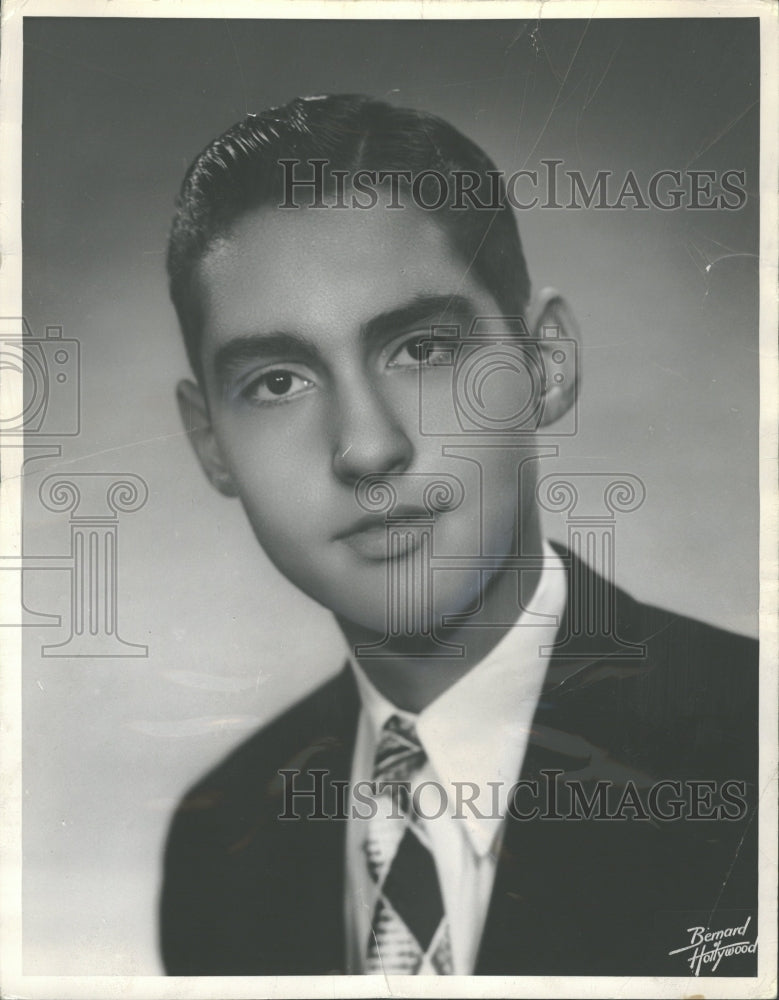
column 410, row 679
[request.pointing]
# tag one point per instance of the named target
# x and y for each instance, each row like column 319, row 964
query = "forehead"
column 324, row 272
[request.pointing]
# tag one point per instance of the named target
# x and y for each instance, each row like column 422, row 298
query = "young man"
column 520, row 770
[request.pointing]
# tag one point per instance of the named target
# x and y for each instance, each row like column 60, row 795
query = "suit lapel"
column 314, row 849
column 526, row 921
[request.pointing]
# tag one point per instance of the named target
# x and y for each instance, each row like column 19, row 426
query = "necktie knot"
column 399, row 753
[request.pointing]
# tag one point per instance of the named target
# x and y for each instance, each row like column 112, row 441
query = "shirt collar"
column 478, row 729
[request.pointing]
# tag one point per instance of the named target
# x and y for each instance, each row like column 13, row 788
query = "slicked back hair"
column 241, row 171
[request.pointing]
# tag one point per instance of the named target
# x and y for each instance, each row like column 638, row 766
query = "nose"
column 369, row 436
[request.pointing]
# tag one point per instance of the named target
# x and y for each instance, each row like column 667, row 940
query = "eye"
column 421, row 351
column 276, row 386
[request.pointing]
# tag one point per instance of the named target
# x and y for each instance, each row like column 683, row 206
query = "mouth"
column 370, row 538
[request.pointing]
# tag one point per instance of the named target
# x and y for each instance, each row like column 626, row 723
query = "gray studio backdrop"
column 114, row 110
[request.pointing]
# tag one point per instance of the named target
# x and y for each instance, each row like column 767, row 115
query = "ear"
column 197, row 425
column 556, row 333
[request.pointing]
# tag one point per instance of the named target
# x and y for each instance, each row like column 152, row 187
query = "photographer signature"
column 709, row 947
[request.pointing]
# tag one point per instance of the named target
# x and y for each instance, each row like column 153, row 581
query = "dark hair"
column 240, row 171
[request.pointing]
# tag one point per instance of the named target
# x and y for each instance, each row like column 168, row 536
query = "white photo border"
column 14, row 982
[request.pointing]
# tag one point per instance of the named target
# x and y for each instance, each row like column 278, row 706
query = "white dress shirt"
column 476, row 731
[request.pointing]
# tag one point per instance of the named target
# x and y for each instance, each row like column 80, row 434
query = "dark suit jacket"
column 245, row 893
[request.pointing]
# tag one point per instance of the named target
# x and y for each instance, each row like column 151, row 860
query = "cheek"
column 279, row 462
column 281, row 498
column 285, row 517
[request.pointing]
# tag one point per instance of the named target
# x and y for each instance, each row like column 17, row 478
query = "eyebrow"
column 248, row 348
column 420, row 309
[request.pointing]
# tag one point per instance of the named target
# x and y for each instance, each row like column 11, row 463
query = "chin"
column 372, row 617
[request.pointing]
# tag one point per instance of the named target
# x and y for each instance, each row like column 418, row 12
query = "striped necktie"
column 409, row 931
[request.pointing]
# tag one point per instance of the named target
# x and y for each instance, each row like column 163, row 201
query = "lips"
column 371, row 540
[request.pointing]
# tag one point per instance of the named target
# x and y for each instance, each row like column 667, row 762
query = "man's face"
column 311, row 321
